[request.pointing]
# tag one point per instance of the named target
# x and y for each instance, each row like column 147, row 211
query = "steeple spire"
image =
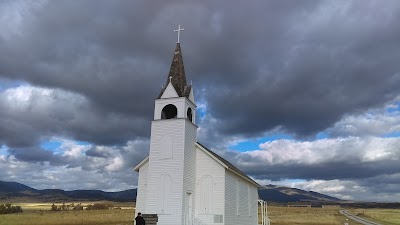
column 177, row 75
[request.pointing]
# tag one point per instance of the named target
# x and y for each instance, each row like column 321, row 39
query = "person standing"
column 139, row 219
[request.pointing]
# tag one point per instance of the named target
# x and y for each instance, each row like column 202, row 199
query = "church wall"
column 240, row 200
column 142, row 189
column 207, row 167
column 189, row 178
column 161, row 168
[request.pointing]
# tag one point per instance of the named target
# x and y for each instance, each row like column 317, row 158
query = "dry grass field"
column 382, row 216
column 305, row 216
column 40, row 214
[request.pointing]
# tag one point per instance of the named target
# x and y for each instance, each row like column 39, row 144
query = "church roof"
column 177, row 72
column 229, row 165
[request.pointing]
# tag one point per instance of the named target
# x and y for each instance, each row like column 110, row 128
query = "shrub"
column 8, row 208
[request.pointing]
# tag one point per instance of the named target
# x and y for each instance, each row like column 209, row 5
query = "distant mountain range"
column 272, row 193
column 21, row 193
column 16, row 192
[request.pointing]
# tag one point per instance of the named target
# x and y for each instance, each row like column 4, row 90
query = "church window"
column 189, row 115
column 206, row 194
column 164, row 194
column 169, row 111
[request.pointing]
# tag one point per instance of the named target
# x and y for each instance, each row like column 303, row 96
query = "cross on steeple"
column 179, row 32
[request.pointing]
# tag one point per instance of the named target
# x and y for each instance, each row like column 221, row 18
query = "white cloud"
column 327, row 150
column 72, row 149
column 116, row 164
column 377, row 122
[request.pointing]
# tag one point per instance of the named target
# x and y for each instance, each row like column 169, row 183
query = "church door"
column 189, row 209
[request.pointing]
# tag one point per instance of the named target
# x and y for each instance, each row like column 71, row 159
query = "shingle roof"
column 177, row 72
column 228, row 164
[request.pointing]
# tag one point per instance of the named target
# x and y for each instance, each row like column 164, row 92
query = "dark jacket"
column 140, row 220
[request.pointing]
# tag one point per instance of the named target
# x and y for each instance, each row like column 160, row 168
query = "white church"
column 182, row 181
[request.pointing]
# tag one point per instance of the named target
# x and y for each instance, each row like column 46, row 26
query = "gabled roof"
column 137, row 167
column 177, row 72
column 228, row 165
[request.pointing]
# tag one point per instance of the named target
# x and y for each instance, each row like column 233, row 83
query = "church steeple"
column 177, row 75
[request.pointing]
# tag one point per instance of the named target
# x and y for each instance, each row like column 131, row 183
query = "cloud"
column 367, row 124
column 357, row 190
column 31, row 154
column 90, row 72
column 69, row 168
column 302, row 76
column 326, row 159
column 31, row 113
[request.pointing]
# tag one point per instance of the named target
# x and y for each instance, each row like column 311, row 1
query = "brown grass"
column 40, row 214
column 305, row 216
column 382, row 216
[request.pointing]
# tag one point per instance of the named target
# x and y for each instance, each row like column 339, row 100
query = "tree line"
column 78, row 207
column 8, row 208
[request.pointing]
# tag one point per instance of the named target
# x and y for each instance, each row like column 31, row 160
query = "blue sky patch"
column 7, row 84
column 3, row 150
column 392, row 135
column 394, row 109
column 322, row 135
column 51, row 145
column 253, row 144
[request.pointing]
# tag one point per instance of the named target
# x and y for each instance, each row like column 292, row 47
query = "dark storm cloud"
column 323, row 171
column 95, row 152
column 36, row 155
column 298, row 66
column 336, row 59
column 31, row 154
column 30, row 113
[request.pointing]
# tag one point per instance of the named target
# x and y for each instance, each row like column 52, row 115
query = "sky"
column 304, row 94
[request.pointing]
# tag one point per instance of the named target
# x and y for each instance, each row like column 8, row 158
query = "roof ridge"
column 228, row 164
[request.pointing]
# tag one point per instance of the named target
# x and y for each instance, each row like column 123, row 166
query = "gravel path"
column 357, row 218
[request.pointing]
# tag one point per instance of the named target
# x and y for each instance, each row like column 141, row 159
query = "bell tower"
column 172, row 160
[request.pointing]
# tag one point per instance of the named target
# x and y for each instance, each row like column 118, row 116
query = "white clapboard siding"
column 237, row 190
column 208, row 168
column 189, row 177
column 173, row 167
column 142, row 188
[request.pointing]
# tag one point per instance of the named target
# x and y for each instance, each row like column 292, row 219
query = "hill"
column 18, row 192
column 22, row 193
column 272, row 193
